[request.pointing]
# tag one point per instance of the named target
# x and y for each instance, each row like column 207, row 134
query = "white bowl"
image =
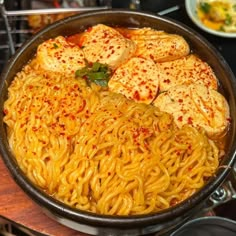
column 191, row 8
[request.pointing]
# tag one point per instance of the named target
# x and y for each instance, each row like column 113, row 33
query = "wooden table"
column 16, row 206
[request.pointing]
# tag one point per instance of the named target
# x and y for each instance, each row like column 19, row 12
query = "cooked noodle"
column 98, row 151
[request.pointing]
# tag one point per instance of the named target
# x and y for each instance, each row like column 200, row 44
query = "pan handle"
column 224, row 193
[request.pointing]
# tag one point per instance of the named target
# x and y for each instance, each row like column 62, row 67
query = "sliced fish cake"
column 158, row 45
column 186, row 70
column 58, row 55
column 106, row 45
column 196, row 105
column 137, row 80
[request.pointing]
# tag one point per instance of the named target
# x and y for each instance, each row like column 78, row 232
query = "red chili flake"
column 151, row 56
column 143, row 83
column 150, row 96
column 62, row 126
column 34, row 128
column 177, row 153
column 190, row 120
column 136, row 95
column 167, row 81
column 105, row 35
column 56, row 88
column 72, row 117
column 143, row 129
column 180, row 118
column 180, row 100
column 95, row 132
column 81, row 108
column 47, row 159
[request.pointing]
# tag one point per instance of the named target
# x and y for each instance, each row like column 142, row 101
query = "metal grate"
column 14, row 27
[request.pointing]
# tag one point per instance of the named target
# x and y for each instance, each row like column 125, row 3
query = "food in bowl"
column 91, row 133
column 218, row 15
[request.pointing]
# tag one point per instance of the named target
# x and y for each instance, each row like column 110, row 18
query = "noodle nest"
column 100, row 152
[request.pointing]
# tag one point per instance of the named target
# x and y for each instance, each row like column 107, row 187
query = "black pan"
column 114, row 225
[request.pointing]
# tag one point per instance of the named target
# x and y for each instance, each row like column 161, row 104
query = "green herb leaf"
column 222, row 28
column 95, row 72
column 97, row 75
column 82, row 72
column 102, row 83
column 96, row 66
column 55, row 45
column 228, row 20
column 205, row 7
column 234, row 7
